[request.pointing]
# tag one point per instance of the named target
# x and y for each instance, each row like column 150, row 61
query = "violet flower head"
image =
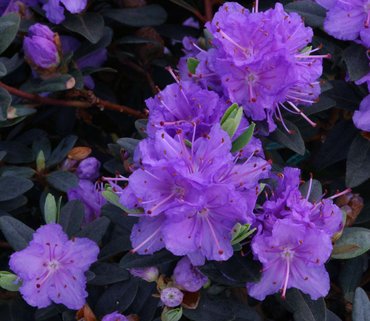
column 171, row 297
column 114, row 316
column 184, row 105
column 348, row 20
column 188, row 276
column 52, row 268
column 251, row 51
column 361, row 117
column 191, row 196
column 88, row 169
column 292, row 256
column 55, row 8
column 41, row 47
column 90, row 195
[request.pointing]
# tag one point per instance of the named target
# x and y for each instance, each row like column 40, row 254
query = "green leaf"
column 358, row 162
column 9, row 281
column 62, row 180
column 71, row 217
column 5, row 101
column 293, row 140
column 171, row 314
column 25, row 172
column 50, row 209
column 61, row 151
column 40, row 161
column 243, row 139
column 60, row 83
column 135, row 260
column 353, row 242
column 192, row 64
column 356, row 61
column 361, row 306
column 16, row 233
column 232, row 121
column 108, row 273
column 231, row 110
column 9, row 26
column 95, row 230
column 3, row 70
column 13, row 186
column 303, row 308
column 241, row 232
column 150, row 15
column 128, row 144
column 90, row 25
column 312, row 13
column 316, row 190
column 140, row 126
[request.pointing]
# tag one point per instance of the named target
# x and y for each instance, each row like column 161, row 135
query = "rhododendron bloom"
column 188, row 276
column 52, row 268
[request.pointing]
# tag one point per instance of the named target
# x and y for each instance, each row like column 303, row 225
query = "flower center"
column 53, row 265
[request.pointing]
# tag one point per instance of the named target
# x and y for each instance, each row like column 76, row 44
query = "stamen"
column 146, row 241
column 346, row 191
column 220, row 251
column 309, row 188
column 280, row 117
column 283, row 294
column 313, row 124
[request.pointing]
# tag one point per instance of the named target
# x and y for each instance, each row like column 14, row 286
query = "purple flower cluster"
column 87, row 191
column 348, row 20
column 294, row 240
column 251, row 51
column 54, row 9
column 52, row 268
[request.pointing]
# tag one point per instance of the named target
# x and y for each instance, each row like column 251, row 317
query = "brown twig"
column 103, row 104
column 208, row 8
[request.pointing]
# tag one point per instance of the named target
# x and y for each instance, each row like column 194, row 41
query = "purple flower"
column 88, row 169
column 250, row 53
column 55, row 11
column 361, row 117
column 192, row 196
column 184, row 105
column 115, row 316
column 93, row 59
column 90, row 195
column 149, row 274
column 188, row 276
column 40, row 47
column 348, row 20
column 171, row 297
column 292, row 256
column 52, row 268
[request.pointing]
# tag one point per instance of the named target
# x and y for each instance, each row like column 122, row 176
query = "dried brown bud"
column 79, row 153
column 352, row 205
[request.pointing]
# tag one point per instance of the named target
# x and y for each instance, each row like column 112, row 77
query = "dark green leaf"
column 361, row 306
column 9, row 281
column 312, row 13
column 135, row 260
column 356, row 61
column 13, row 204
column 243, row 139
column 151, row 15
column 358, row 162
column 16, row 233
column 118, row 297
column 3, row 70
column 140, row 126
column 13, row 186
column 323, row 104
column 60, row 83
column 293, row 140
column 95, row 230
column 316, row 190
column 71, row 217
column 9, row 25
column 108, row 273
column 11, row 64
column 16, row 153
column 61, row 151
column 303, row 308
column 5, row 101
column 128, row 144
column 89, row 25
column 353, row 242
column 192, row 65
column 25, row 172
column 62, row 180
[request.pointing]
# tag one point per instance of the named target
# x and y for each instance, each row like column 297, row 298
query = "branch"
column 208, row 7
column 103, row 104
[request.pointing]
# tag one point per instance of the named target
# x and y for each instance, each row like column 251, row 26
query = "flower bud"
column 41, row 48
column 114, row 316
column 171, row 297
column 149, row 274
column 88, row 169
